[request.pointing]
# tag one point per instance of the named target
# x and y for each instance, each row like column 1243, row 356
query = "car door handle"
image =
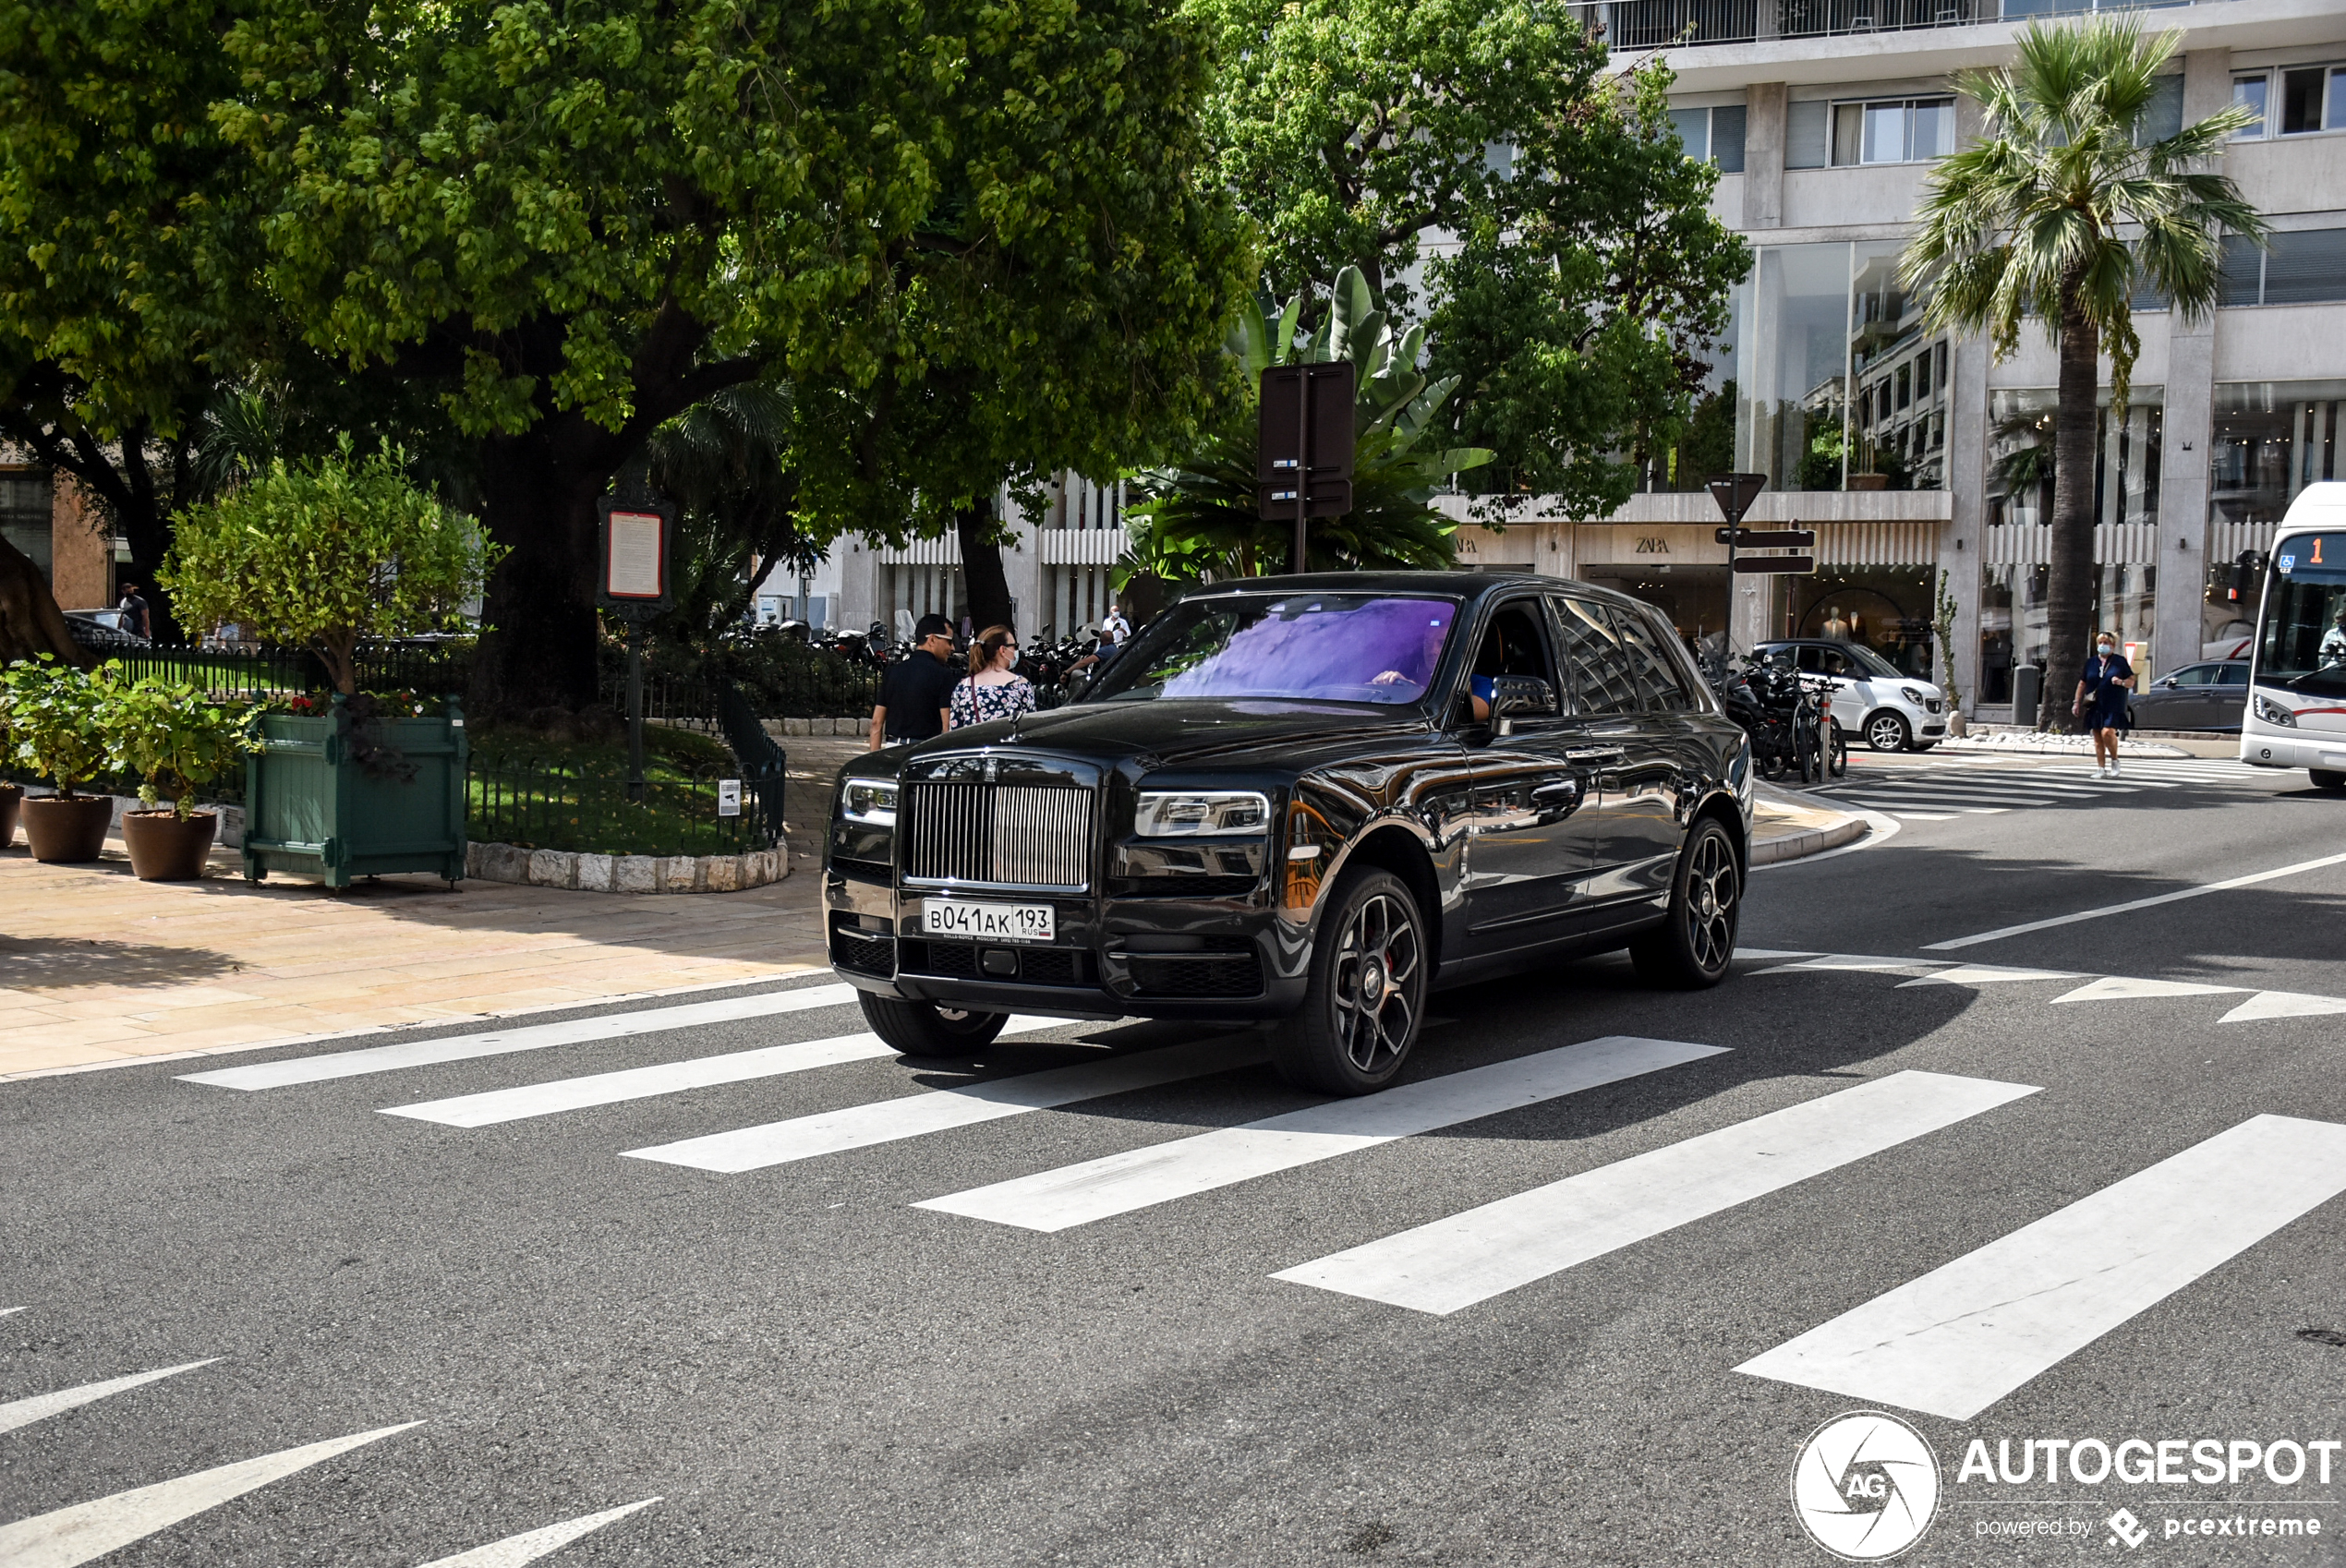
column 1597, row 754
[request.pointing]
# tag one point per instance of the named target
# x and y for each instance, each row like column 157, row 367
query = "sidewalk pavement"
column 99, row 968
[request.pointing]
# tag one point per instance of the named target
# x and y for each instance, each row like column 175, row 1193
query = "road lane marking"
column 70, row 1537
column 546, row 1099
column 1905, row 808
column 1985, row 974
column 515, row 1550
column 1455, row 1262
column 913, row 1115
column 2117, row 988
column 2284, row 1005
column 1861, row 963
column 41, row 1406
column 2251, row 880
column 532, row 1037
column 1960, row 1338
column 1141, row 1178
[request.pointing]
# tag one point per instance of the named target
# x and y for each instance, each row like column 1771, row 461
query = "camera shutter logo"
column 1866, row 1486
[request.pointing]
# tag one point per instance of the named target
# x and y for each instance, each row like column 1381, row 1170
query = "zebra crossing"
column 1950, row 791
column 1950, row 1343
column 82, row 1532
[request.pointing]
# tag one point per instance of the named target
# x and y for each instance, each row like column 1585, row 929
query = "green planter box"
column 310, row 808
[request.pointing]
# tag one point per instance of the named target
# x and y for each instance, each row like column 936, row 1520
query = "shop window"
column 2126, row 458
column 2272, row 438
column 1897, row 131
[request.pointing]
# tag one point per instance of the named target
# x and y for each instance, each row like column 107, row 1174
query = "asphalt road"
column 2099, row 1220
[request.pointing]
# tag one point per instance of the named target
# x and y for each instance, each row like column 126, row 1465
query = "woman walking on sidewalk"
column 2101, row 698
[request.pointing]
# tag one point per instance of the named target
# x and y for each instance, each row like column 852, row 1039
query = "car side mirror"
column 1521, row 696
column 2166, row 680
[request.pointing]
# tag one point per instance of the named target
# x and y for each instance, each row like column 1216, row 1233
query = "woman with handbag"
column 992, row 691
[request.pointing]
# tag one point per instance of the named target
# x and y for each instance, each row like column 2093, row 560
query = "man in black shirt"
column 918, row 689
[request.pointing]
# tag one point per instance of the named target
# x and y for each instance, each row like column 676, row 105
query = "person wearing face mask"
column 2102, row 701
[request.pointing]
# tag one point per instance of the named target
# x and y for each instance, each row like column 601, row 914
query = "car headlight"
column 2272, row 712
column 1189, row 814
column 871, row 801
column 1916, row 697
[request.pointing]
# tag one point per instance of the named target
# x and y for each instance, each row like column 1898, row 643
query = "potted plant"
column 171, row 736
column 328, row 555
column 54, row 730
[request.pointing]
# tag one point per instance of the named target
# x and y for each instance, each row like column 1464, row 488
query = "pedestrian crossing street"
column 1947, row 1344
column 65, row 1538
column 1948, row 790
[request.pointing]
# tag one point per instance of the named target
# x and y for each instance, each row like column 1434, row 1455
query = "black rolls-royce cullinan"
column 1315, row 799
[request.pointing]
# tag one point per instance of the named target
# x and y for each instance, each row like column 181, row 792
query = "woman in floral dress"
column 991, row 691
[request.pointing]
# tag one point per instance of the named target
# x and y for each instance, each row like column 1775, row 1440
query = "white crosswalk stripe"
column 69, row 1537
column 1955, row 789
column 1960, row 1338
column 888, row 1121
column 515, row 1550
column 533, row 1037
column 41, row 1406
column 1452, row 1263
column 1139, row 1178
column 668, row 1078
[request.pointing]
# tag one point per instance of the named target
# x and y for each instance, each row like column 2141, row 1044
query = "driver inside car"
column 1479, row 684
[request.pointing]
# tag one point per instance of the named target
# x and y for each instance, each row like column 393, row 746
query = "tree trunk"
column 982, row 575
column 538, row 650
column 30, row 623
column 2070, row 592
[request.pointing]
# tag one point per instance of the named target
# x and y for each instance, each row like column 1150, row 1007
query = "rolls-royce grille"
column 1002, row 836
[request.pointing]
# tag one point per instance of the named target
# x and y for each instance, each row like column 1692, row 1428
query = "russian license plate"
column 989, row 922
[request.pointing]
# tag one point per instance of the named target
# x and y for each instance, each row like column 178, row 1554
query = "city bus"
column 2297, row 683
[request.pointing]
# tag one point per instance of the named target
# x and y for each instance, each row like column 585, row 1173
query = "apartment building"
column 46, row 516
column 1906, row 450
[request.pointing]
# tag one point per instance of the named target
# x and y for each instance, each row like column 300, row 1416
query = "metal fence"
column 551, row 804
column 824, row 686
column 1646, row 24
column 250, row 673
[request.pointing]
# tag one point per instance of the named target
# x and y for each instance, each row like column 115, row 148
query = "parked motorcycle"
column 1788, row 717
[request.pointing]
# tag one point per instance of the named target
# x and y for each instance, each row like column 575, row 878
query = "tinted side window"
column 1655, row 672
column 1513, row 644
column 2234, row 675
column 1603, row 679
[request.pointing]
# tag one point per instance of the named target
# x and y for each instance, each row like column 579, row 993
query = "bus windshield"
column 1328, row 647
column 2302, row 642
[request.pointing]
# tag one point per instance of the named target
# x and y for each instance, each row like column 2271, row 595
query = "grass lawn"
column 544, row 793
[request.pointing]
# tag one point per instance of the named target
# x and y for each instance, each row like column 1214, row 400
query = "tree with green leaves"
column 1580, row 279
column 1202, row 518
column 2067, row 209
column 326, row 555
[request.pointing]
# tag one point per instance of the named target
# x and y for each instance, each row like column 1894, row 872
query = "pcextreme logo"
column 1866, row 1486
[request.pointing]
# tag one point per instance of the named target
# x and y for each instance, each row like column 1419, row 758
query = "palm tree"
column 2063, row 211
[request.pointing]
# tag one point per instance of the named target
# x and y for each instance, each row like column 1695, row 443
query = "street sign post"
column 1782, row 538
column 635, row 585
column 1304, row 465
column 1734, row 493
column 1774, row 565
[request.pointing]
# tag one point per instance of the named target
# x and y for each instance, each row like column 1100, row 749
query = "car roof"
column 1471, row 586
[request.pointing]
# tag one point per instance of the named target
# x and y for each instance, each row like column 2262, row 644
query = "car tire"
column 1888, row 732
column 1691, row 948
column 1371, row 934
column 2324, row 779
column 923, row 1029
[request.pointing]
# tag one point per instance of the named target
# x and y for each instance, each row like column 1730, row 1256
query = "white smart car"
column 1871, row 697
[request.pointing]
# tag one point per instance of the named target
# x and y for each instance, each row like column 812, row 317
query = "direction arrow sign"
column 1779, row 565
column 1782, row 538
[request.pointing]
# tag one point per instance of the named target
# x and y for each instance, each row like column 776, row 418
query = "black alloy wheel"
column 925, row 1028
column 1887, row 731
column 1366, row 1001
column 1693, row 946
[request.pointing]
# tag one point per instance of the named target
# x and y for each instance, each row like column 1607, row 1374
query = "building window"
column 1897, row 131
column 1716, row 134
column 2295, row 266
column 2127, row 456
column 2309, row 97
column 25, row 516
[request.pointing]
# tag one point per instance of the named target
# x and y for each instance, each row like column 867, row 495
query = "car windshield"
column 2302, row 641
column 1863, row 660
column 1324, row 647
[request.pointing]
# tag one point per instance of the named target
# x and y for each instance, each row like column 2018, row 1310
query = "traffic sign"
column 1329, row 497
column 1781, row 538
column 1735, row 492
column 1783, row 565
column 1303, row 463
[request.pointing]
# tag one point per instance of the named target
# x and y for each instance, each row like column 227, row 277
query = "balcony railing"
column 1648, row 24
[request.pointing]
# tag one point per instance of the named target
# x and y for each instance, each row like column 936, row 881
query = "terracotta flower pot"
column 11, row 796
column 66, row 832
column 1869, row 481
column 164, row 848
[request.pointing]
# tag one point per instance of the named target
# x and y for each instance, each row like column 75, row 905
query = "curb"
column 1808, row 842
column 584, row 873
